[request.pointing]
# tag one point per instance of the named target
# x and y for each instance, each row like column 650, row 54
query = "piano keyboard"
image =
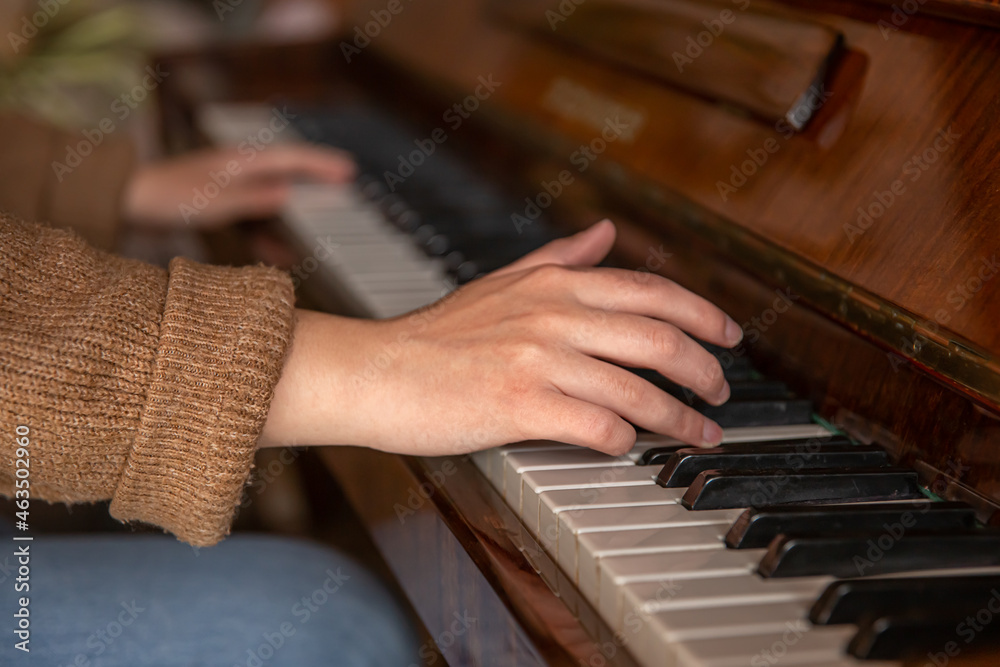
column 404, row 242
column 666, row 578
column 377, row 263
column 661, row 576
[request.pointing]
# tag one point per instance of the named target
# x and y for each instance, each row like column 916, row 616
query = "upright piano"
column 829, row 174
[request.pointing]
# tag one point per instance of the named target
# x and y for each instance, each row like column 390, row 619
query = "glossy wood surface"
column 459, row 552
column 978, row 12
column 905, row 92
column 761, row 63
column 463, row 548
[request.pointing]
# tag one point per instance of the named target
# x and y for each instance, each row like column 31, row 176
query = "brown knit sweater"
column 145, row 386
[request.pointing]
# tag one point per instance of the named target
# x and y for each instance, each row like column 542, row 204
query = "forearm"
column 315, row 401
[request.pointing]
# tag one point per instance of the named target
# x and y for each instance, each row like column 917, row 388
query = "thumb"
column 585, row 248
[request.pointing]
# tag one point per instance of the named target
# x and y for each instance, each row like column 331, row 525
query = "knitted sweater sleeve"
column 139, row 385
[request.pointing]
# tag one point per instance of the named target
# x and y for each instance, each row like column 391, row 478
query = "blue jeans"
column 251, row 601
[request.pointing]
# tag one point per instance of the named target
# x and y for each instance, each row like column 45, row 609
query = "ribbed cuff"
column 223, row 340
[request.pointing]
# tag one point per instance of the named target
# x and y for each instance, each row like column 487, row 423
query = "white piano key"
column 744, row 434
column 581, row 564
column 763, row 433
column 481, row 461
column 797, row 644
column 574, row 524
column 669, row 606
column 711, row 623
column 498, row 456
column 552, row 503
column 535, row 482
column 617, row 572
column 737, row 590
column 518, row 463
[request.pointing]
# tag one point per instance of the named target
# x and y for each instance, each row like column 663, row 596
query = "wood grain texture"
column 457, row 548
column 761, row 63
column 861, row 384
column 931, row 79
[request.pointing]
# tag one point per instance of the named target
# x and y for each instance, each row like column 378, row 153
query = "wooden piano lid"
column 880, row 213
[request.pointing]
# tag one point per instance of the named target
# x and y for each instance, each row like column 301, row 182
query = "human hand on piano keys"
column 520, row 354
column 217, row 187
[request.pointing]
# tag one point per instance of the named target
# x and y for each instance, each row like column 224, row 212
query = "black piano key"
column 730, row 489
column 657, row 456
column 737, row 370
column 662, row 455
column 739, row 391
column 853, row 600
column 681, row 469
column 867, row 555
column 931, row 637
column 758, row 390
column 759, row 413
column 757, row 526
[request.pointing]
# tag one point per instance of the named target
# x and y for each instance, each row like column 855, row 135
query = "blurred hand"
column 520, row 354
column 217, row 187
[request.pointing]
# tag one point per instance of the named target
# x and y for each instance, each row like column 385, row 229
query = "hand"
column 217, row 187
column 520, row 354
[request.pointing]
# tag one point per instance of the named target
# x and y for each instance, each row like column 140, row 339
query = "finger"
column 634, row 340
column 250, row 203
column 585, row 248
column 654, row 296
column 570, row 420
column 635, row 399
column 303, row 161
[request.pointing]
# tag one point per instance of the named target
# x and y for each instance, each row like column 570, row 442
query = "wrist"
column 320, row 398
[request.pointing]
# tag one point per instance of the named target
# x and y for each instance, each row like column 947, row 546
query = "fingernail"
column 724, row 394
column 594, row 226
column 734, row 334
column 711, row 435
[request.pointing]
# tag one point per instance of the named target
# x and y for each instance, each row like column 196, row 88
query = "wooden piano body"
column 876, row 219
column 894, row 330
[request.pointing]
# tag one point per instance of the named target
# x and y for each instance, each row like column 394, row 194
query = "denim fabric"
column 251, row 601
